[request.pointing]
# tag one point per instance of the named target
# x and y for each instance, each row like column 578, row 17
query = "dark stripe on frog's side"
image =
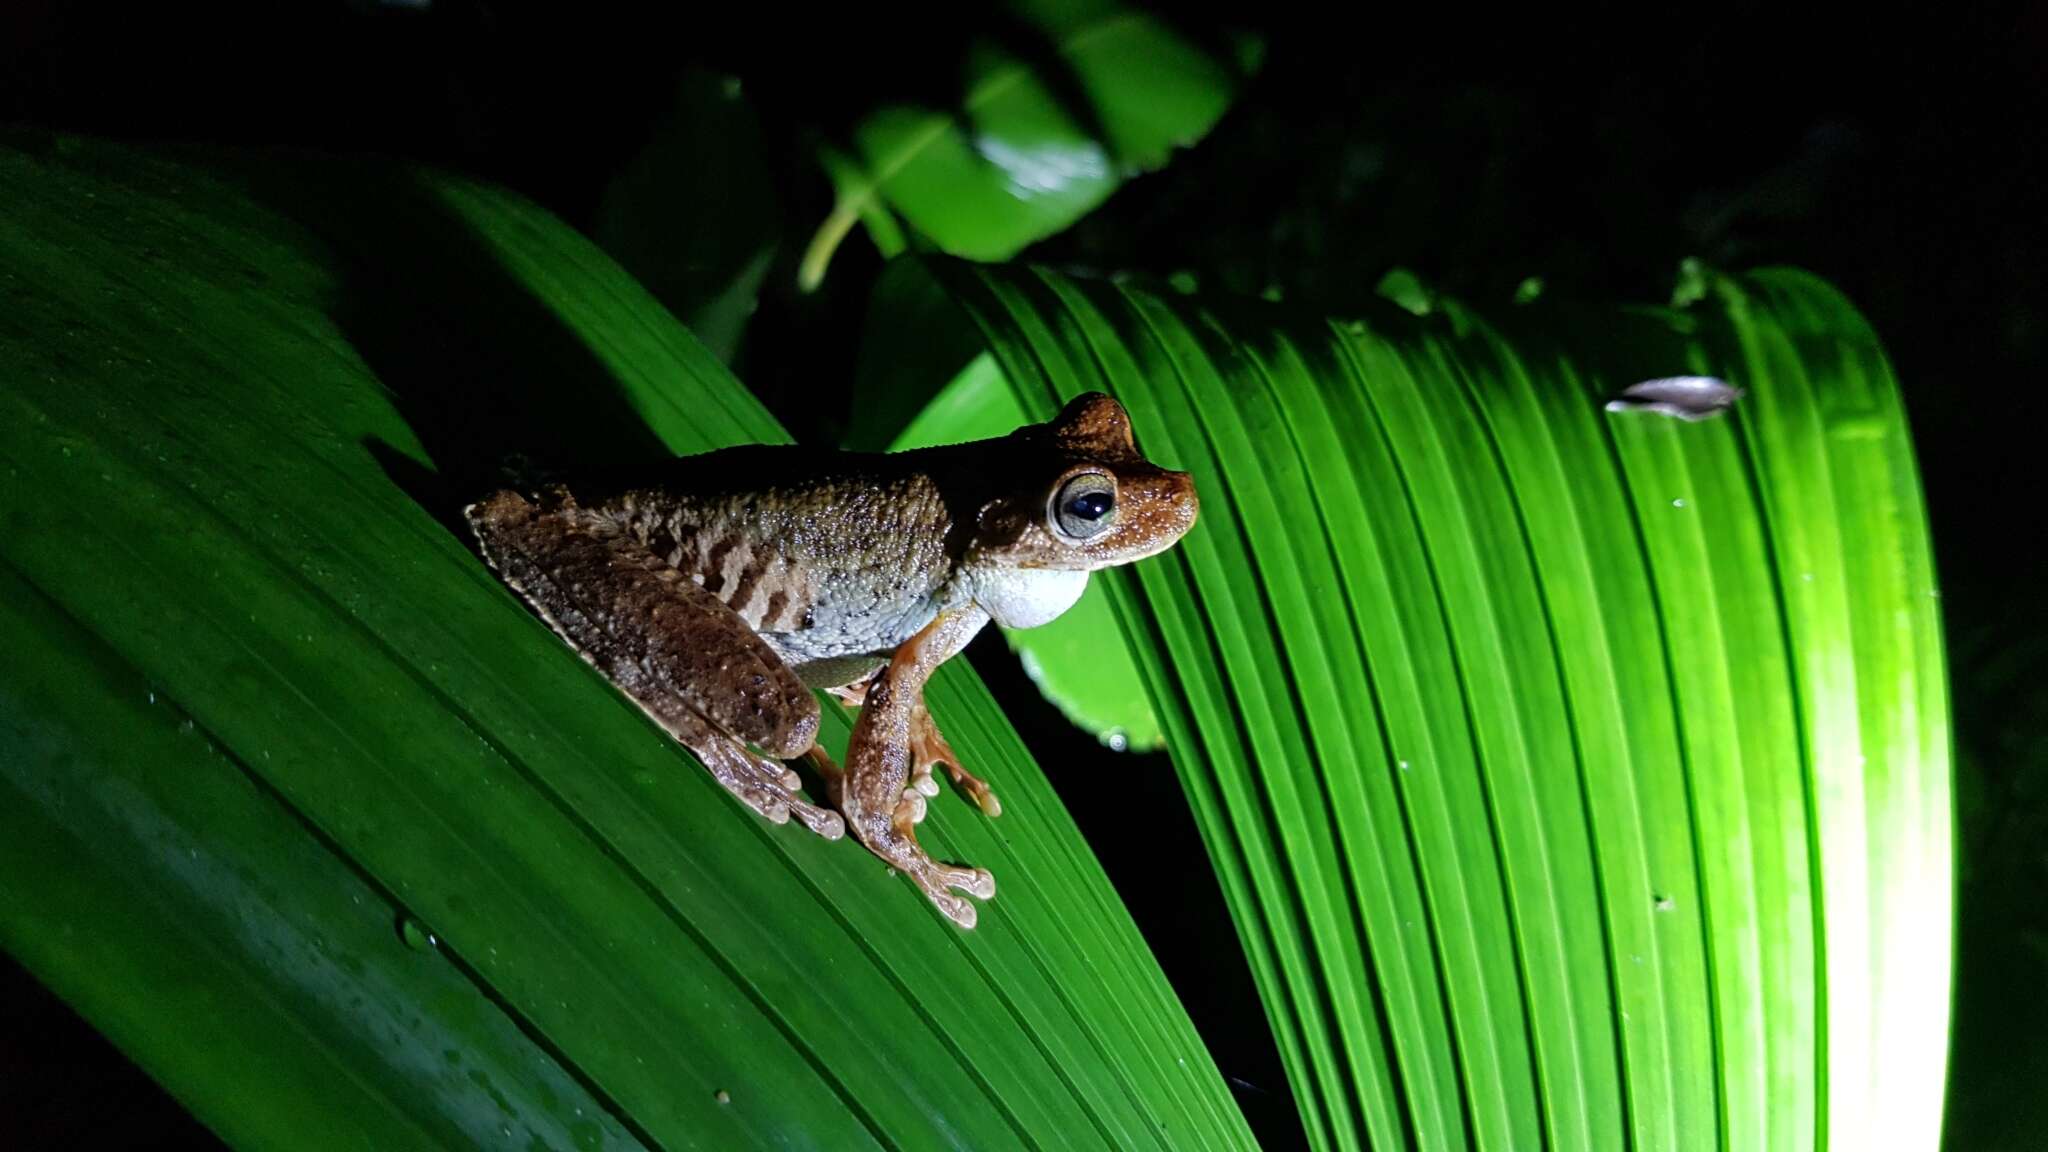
column 765, row 576
column 714, row 564
column 856, row 549
column 742, row 596
column 664, row 544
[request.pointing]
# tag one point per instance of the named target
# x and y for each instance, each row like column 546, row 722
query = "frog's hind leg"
column 928, row 748
column 678, row 652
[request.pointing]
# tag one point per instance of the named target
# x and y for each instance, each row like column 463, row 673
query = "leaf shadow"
column 492, row 382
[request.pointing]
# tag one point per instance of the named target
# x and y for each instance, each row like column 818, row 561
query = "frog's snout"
column 1162, row 506
column 1176, row 489
column 1185, row 494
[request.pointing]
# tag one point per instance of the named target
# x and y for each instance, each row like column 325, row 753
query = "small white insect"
column 1689, row 398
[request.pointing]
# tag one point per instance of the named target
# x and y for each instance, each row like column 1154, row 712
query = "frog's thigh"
column 646, row 626
column 634, row 620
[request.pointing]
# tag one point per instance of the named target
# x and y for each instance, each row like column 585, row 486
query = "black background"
column 1899, row 156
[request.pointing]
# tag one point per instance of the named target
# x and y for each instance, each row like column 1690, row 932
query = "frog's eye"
column 1084, row 506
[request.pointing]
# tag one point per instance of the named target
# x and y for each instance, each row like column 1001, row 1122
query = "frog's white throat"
column 1026, row 597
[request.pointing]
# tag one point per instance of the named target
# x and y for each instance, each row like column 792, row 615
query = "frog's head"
column 1084, row 497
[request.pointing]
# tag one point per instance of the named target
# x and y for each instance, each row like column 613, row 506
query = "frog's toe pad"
column 911, row 809
column 978, row 882
column 981, row 882
column 956, row 909
column 779, row 805
column 937, row 881
column 828, row 824
column 767, row 787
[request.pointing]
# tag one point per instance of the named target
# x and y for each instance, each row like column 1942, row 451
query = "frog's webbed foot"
column 893, row 837
column 928, row 747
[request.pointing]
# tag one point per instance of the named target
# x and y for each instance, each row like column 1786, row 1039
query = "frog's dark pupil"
column 1090, row 505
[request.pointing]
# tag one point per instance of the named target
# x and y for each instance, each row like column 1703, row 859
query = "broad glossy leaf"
column 337, row 841
column 1044, row 132
column 1578, row 778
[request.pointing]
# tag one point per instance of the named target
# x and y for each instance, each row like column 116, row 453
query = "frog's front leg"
column 928, row 748
column 677, row 651
column 879, row 805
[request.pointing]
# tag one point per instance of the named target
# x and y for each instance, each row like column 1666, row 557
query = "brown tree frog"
column 716, row 591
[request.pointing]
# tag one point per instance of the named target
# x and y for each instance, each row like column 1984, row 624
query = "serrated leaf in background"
column 1085, row 94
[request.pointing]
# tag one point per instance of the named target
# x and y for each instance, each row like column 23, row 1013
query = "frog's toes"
column 977, row 788
column 957, row 909
column 766, row 786
column 979, row 881
column 937, row 880
column 894, row 841
column 825, row 823
column 928, row 746
column 910, row 809
column 771, row 803
column 787, row 797
column 778, row 805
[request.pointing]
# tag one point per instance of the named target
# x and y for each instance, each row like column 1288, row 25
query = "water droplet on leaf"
column 416, row 935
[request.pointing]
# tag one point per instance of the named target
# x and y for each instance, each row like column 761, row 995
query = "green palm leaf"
column 301, row 808
column 1579, row 778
